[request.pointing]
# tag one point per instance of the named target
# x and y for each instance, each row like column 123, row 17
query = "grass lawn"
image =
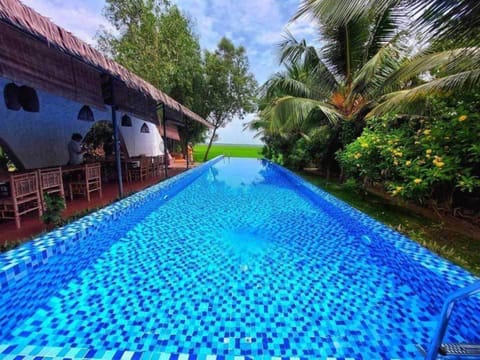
column 456, row 242
column 246, row 151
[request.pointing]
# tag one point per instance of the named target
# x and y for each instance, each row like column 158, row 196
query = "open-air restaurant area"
column 77, row 130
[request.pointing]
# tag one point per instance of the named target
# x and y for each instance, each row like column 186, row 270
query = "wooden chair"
column 91, row 182
column 24, row 197
column 157, row 167
column 50, row 182
column 140, row 172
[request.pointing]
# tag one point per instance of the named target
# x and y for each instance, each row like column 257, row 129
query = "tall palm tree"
column 364, row 68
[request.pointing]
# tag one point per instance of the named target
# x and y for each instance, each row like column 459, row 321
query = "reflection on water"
column 245, row 173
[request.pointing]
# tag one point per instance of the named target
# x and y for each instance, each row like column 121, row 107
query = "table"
column 72, row 168
column 126, row 164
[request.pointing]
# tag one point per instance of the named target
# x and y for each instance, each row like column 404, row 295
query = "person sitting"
column 75, row 150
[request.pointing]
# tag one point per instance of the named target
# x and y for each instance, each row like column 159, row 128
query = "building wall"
column 40, row 139
column 138, row 143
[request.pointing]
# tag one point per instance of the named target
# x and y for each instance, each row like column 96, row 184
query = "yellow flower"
column 427, row 132
column 417, row 181
column 408, row 163
column 357, row 155
column 463, row 118
column 438, row 162
column 429, row 151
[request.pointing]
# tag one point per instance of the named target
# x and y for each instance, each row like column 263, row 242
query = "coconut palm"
column 439, row 19
column 364, row 69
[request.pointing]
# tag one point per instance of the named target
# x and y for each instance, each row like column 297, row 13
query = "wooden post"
column 164, row 124
column 116, row 140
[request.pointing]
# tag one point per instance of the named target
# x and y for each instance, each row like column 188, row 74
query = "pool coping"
column 17, row 352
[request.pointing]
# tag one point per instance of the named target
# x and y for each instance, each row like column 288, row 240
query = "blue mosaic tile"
column 236, row 259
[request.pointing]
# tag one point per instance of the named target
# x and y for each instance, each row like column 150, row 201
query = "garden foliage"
column 431, row 157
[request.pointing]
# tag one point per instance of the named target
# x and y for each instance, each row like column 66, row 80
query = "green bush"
column 421, row 157
column 300, row 150
column 53, row 213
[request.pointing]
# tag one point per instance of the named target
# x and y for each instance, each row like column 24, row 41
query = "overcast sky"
column 258, row 25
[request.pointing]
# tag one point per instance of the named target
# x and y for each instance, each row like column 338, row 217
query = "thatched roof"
column 31, row 23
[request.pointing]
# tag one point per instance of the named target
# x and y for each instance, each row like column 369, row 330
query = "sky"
column 257, row 25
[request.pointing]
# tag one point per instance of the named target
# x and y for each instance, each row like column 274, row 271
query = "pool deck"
column 32, row 225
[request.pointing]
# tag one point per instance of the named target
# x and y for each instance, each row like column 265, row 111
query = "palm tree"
column 440, row 19
column 363, row 70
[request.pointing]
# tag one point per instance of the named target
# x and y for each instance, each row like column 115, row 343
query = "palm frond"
column 325, row 79
column 292, row 113
column 405, row 100
column 257, row 125
column 341, row 12
column 344, row 49
column 322, row 130
column 285, row 85
column 385, row 27
column 294, row 53
column 292, row 50
column 301, row 80
column 372, row 75
column 457, row 21
column 449, row 61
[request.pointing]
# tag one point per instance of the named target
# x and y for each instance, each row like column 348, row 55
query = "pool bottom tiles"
column 239, row 263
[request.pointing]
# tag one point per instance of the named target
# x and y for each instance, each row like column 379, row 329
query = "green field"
column 245, row 151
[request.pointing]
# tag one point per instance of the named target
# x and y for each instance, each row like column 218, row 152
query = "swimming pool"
column 237, row 258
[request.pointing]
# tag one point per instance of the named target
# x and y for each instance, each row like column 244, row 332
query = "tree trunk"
column 210, row 144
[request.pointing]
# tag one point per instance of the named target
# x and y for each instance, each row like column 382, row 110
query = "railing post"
column 432, row 352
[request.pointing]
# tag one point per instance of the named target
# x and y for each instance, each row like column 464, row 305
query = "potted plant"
column 54, row 205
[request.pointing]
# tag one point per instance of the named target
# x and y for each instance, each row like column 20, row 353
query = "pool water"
column 245, row 261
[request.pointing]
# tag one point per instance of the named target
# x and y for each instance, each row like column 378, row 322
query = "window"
column 17, row 97
column 126, row 121
column 85, row 114
column 144, row 129
column 10, row 95
column 29, row 99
